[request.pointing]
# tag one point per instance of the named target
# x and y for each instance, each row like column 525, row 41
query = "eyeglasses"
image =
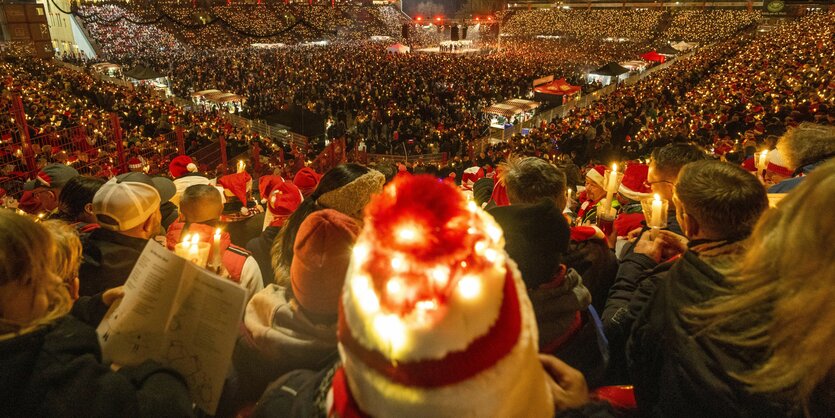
column 649, row 183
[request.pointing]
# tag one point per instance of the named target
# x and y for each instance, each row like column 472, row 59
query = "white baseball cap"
column 126, row 203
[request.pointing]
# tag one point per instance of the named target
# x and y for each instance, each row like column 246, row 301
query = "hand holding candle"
column 655, row 212
column 193, row 250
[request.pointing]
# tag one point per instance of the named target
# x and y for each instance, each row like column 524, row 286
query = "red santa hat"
column 434, row 317
column 776, row 164
column 306, row 180
column 182, row 165
column 596, row 174
column 470, row 176
column 634, row 185
column 284, row 200
column 266, row 185
column 135, row 164
column 237, row 185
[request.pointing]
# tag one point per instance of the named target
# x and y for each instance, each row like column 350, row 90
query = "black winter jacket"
column 108, row 258
column 679, row 374
column 56, row 371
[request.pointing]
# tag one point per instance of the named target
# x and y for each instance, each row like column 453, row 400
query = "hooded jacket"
column 280, row 337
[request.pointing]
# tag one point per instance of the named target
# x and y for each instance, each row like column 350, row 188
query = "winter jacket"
column 261, row 249
column 307, row 393
column 107, row 260
column 567, row 329
column 170, row 213
column 787, row 185
column 57, row 371
column 677, row 373
column 242, row 268
column 280, row 337
column 589, row 254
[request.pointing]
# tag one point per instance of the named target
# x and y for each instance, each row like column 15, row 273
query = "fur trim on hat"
column 351, row 198
column 596, row 174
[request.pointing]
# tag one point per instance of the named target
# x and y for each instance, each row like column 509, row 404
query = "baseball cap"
column 51, row 176
column 126, row 203
column 165, row 187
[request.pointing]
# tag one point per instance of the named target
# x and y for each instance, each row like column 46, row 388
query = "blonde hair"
column 780, row 302
column 67, row 259
column 26, row 258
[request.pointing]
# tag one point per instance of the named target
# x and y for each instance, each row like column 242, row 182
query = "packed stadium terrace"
column 368, row 272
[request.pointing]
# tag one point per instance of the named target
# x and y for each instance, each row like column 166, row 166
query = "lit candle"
column 761, row 162
column 214, row 264
column 611, row 188
column 657, row 209
column 241, row 166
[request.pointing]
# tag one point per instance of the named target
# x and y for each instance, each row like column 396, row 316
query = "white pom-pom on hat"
column 191, row 167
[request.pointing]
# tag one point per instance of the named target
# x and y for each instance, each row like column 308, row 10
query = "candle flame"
column 614, row 167
column 195, row 239
column 657, row 198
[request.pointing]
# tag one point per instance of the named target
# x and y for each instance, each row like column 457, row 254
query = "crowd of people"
column 69, row 118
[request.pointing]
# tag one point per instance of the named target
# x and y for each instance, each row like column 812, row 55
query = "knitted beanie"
column 321, row 254
column 434, row 318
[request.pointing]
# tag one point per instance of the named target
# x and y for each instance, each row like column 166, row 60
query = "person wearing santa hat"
column 236, row 191
column 594, row 193
column 776, row 169
column 135, row 164
column 281, row 199
column 184, row 171
column 241, row 213
column 433, row 320
column 200, row 210
column 470, row 176
column 633, row 189
column 306, row 180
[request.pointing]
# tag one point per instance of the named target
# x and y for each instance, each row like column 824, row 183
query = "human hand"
column 567, row 385
column 665, row 245
column 673, row 244
column 112, row 295
column 649, row 247
column 634, row 234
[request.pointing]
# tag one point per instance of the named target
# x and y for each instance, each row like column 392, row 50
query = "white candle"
column 216, row 258
column 761, row 162
column 613, row 182
column 611, row 188
column 657, row 209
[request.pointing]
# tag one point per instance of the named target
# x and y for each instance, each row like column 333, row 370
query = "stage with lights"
column 452, row 47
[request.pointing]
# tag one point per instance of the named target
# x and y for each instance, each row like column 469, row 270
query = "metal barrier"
column 284, row 136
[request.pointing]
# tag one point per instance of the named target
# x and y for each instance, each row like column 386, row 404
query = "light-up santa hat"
column 434, row 318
